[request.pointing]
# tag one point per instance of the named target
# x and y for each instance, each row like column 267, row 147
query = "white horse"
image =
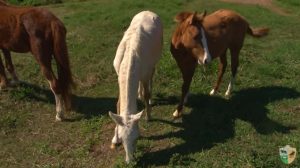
column 137, row 54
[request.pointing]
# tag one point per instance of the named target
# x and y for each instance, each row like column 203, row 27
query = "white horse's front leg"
column 230, row 87
column 116, row 140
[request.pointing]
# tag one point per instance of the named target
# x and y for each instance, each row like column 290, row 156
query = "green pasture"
column 245, row 130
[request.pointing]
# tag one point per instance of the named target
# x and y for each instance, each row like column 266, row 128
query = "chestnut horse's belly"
column 20, row 45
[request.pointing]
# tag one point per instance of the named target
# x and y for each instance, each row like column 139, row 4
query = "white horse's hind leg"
column 141, row 91
column 147, row 95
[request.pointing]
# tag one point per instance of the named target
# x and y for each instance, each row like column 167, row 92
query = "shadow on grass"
column 212, row 119
column 88, row 106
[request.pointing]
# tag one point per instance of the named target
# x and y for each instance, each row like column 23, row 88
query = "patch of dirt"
column 265, row 3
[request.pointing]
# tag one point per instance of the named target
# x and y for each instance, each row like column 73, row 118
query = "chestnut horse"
column 36, row 30
column 199, row 39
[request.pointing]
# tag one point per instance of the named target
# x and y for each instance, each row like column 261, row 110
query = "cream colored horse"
column 137, row 54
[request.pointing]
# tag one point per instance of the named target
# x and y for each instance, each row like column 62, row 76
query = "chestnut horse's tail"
column 258, row 32
column 61, row 57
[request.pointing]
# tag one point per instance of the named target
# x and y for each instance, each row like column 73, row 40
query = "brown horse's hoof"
column 212, row 92
column 177, row 114
column 227, row 94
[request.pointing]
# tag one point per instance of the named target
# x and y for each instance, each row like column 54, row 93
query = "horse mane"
column 180, row 17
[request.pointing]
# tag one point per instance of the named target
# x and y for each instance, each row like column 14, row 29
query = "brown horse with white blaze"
column 36, row 30
column 199, row 39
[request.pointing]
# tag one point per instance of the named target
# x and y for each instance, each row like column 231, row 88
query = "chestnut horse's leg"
column 187, row 68
column 222, row 68
column 3, row 78
column 10, row 67
column 43, row 56
column 234, row 65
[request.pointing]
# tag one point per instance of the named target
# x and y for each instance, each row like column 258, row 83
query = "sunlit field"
column 245, row 130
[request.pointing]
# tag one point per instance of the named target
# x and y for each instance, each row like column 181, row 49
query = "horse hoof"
column 58, row 118
column 176, row 114
column 212, row 92
column 113, row 146
column 227, row 94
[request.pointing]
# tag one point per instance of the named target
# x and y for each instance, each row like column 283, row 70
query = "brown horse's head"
column 190, row 35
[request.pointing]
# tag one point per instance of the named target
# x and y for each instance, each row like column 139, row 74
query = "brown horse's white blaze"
column 135, row 60
column 36, row 30
column 199, row 39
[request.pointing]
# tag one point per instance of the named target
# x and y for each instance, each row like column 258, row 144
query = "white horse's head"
column 128, row 132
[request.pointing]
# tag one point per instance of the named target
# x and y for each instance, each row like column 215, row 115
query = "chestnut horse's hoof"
column 212, row 92
column 177, row 114
column 227, row 94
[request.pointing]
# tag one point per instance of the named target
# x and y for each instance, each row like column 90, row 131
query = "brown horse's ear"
column 180, row 17
column 201, row 16
column 192, row 18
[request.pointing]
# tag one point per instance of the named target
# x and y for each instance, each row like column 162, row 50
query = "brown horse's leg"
column 234, row 66
column 222, row 68
column 10, row 67
column 3, row 78
column 43, row 57
column 187, row 70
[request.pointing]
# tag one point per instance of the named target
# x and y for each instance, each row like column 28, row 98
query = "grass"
column 244, row 131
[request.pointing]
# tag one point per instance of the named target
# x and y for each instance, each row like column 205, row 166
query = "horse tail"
column 258, row 32
column 65, row 80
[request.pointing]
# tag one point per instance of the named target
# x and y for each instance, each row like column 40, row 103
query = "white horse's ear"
column 116, row 118
column 136, row 117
